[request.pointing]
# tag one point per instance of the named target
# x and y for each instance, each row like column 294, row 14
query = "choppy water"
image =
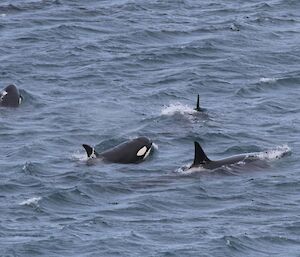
column 101, row 72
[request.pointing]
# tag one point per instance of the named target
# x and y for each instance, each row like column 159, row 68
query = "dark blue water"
column 102, row 72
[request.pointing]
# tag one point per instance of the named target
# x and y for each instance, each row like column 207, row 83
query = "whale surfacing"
column 10, row 97
column 201, row 159
column 132, row 151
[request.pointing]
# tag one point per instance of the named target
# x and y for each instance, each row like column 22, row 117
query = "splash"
column 79, row 156
column 268, row 80
column 155, row 146
column 186, row 170
column 274, row 154
column 31, row 201
column 177, row 108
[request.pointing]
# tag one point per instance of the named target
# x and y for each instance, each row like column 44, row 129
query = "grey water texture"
column 103, row 72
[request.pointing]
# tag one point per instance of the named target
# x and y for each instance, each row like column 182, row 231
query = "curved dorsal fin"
column 200, row 157
column 90, row 151
column 198, row 109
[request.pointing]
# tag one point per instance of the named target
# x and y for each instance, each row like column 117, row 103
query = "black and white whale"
column 201, row 159
column 133, row 151
column 10, row 96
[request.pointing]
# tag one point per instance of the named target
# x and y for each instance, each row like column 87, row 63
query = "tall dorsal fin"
column 90, row 151
column 198, row 109
column 200, row 157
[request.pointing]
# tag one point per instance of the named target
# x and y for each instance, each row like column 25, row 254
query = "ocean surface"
column 103, row 72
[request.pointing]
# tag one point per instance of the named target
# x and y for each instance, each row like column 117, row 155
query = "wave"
column 30, row 99
column 268, row 80
column 270, row 83
column 27, row 6
column 258, row 245
column 31, row 201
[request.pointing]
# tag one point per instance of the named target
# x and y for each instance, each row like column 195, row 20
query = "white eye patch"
column 142, row 151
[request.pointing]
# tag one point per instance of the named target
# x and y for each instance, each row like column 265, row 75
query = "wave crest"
column 31, row 201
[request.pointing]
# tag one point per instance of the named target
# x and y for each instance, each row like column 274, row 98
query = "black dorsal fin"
column 198, row 109
column 90, row 151
column 200, row 157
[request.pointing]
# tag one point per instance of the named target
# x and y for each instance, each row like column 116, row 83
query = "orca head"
column 144, row 147
column 10, row 97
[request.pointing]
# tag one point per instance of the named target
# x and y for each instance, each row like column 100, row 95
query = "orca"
column 198, row 109
column 10, row 96
column 132, row 151
column 201, row 159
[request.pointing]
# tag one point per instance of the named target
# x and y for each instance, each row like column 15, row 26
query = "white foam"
column 274, row 154
column 31, row 201
column 268, row 80
column 155, row 146
column 79, row 156
column 25, row 166
column 177, row 108
column 187, row 170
